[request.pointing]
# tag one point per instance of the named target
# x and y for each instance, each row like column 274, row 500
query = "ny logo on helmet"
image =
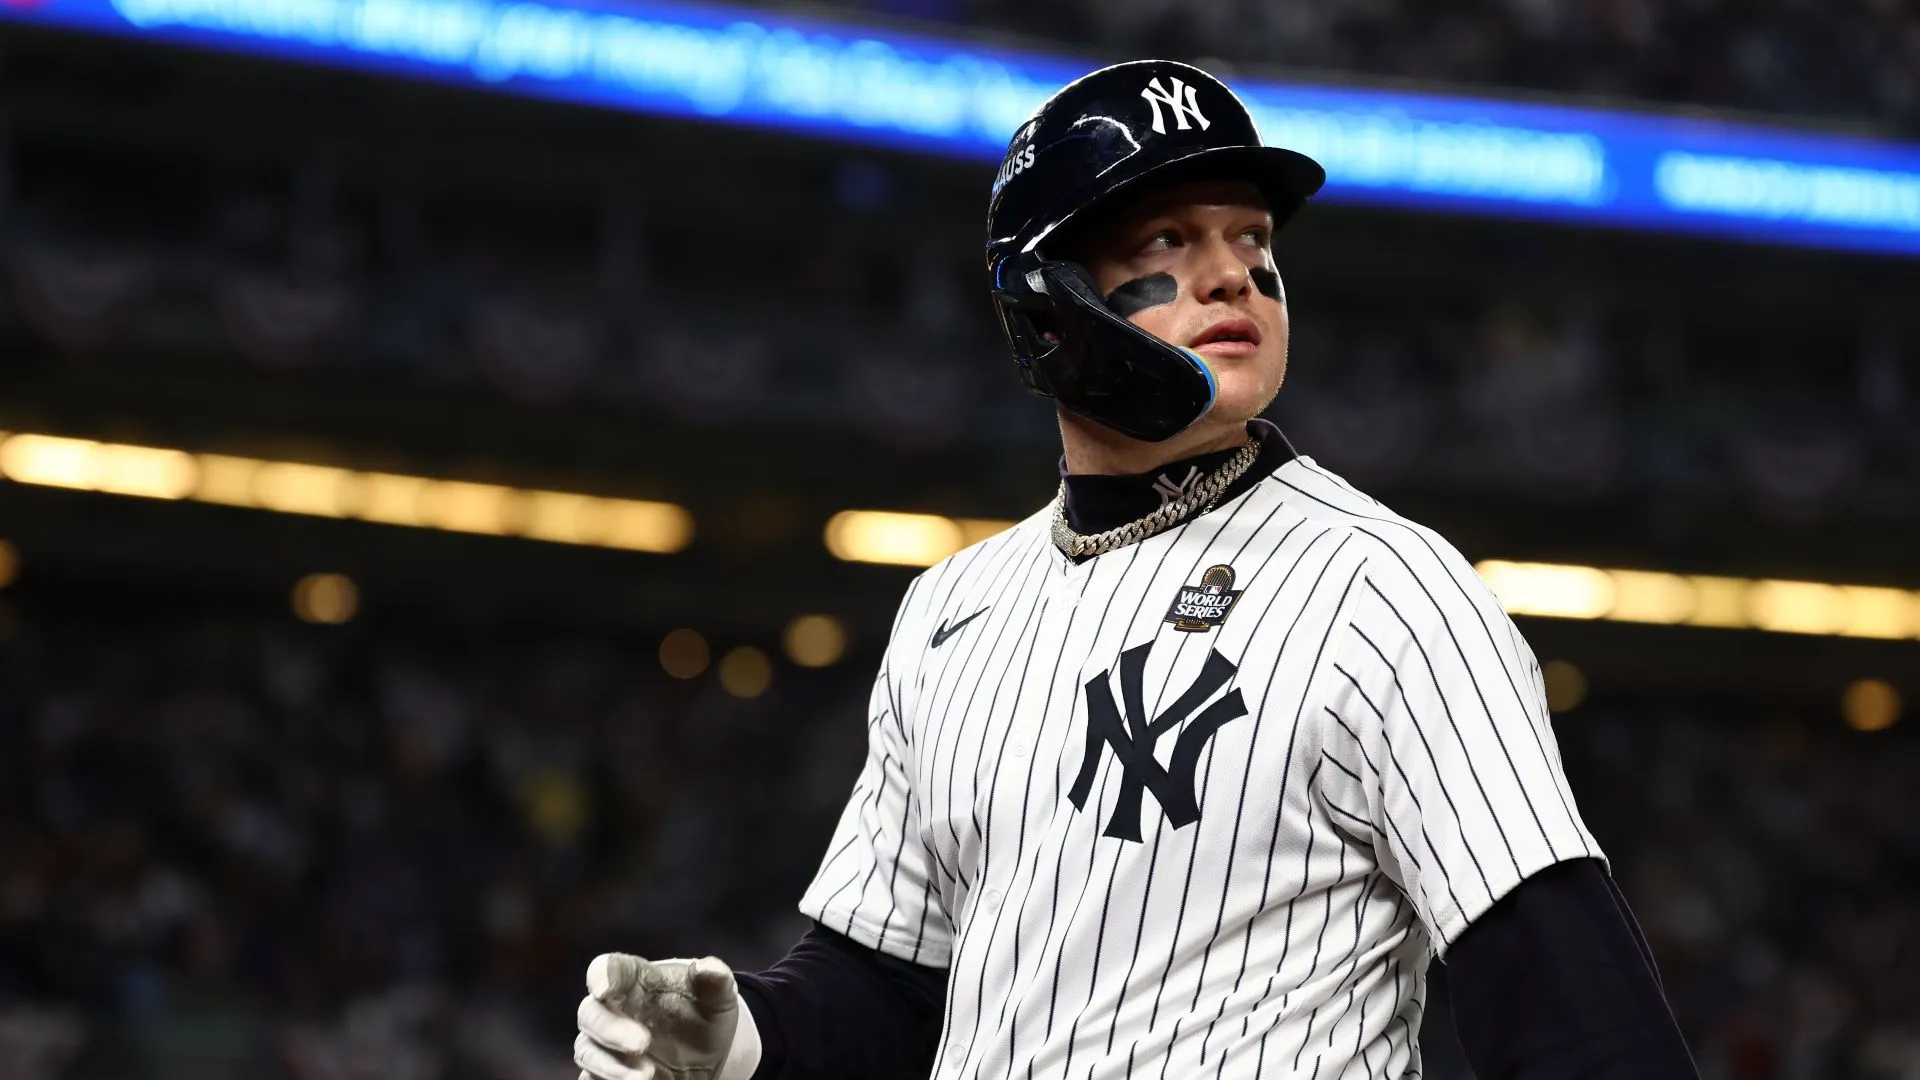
column 1181, row 101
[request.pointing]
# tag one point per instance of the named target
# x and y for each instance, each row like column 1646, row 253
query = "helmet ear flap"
column 1026, row 316
column 1110, row 370
column 1012, row 278
column 1071, row 346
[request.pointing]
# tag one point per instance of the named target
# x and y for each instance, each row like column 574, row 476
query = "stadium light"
column 1649, row 597
column 326, row 599
column 1561, row 591
column 745, row 672
column 1870, row 705
column 684, row 653
column 893, row 539
column 292, row 487
column 897, row 539
column 815, row 641
column 85, row 465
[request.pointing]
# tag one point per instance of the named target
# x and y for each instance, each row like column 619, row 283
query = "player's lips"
column 1235, row 338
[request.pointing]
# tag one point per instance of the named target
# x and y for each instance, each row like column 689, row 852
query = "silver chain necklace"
column 1197, row 500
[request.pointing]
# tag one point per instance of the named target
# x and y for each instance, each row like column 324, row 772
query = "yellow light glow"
column 9, row 564
column 557, row 803
column 1719, row 602
column 391, row 499
column 639, row 525
column 227, row 480
column 894, row 539
column 144, row 471
column 115, row 468
column 1550, row 590
column 1565, row 683
column 326, row 491
column 1870, row 705
column 328, row 599
column 745, row 672
column 684, row 654
column 1880, row 613
column 463, row 507
column 1643, row 596
column 563, row 518
column 816, row 641
column 1647, row 597
column 1796, row 607
column 290, row 488
column 48, row 461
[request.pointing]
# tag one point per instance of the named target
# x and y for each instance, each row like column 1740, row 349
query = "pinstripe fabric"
column 1386, row 772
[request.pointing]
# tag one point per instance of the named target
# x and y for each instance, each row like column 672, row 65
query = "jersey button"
column 1019, row 748
column 991, row 900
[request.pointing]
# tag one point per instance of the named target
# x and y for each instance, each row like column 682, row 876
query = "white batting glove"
column 663, row 1020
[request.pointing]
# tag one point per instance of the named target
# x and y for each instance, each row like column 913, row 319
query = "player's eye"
column 1257, row 235
column 1162, row 240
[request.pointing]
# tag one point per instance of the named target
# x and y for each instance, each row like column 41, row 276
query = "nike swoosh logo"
column 942, row 632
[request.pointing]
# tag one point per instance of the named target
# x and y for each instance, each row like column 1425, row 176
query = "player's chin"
column 1245, row 387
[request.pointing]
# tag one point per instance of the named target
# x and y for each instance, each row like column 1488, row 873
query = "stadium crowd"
column 236, row 846
column 1855, row 61
column 293, row 274
column 1558, row 395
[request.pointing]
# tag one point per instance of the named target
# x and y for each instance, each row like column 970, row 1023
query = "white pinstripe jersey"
column 1223, row 849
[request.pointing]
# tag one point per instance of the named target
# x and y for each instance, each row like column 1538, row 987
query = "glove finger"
column 600, row 1063
column 612, row 975
column 662, row 976
column 711, row 985
column 610, row 1029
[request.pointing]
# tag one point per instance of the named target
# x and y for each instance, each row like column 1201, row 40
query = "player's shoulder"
column 1398, row 552
column 971, row 567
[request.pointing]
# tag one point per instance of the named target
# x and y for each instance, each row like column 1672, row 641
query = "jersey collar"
column 1098, row 503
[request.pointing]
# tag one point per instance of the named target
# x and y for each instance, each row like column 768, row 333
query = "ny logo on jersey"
column 1133, row 739
column 1181, row 100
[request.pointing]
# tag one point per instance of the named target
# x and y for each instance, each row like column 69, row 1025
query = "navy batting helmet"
column 1107, row 135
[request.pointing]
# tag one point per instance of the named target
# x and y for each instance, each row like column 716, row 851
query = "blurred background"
column 458, row 461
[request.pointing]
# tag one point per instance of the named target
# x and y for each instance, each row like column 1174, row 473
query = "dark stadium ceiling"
column 879, row 87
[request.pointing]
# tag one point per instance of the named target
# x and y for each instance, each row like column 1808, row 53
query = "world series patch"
column 1202, row 607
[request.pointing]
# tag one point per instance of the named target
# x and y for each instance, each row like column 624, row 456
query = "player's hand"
column 661, row 1019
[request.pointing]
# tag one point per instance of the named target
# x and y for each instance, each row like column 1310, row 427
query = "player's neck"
column 1093, row 450
column 1097, row 502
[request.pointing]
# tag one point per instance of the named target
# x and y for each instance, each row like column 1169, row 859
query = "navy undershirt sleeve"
column 834, row 1009
column 1555, row 982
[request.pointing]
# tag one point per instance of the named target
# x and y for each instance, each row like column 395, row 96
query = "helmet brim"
column 1286, row 179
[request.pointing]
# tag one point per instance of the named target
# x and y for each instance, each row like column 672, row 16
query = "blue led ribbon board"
column 920, row 93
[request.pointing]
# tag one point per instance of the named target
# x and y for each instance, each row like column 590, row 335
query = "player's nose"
column 1221, row 275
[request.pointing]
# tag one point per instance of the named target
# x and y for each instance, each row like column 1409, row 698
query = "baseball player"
column 1195, row 771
